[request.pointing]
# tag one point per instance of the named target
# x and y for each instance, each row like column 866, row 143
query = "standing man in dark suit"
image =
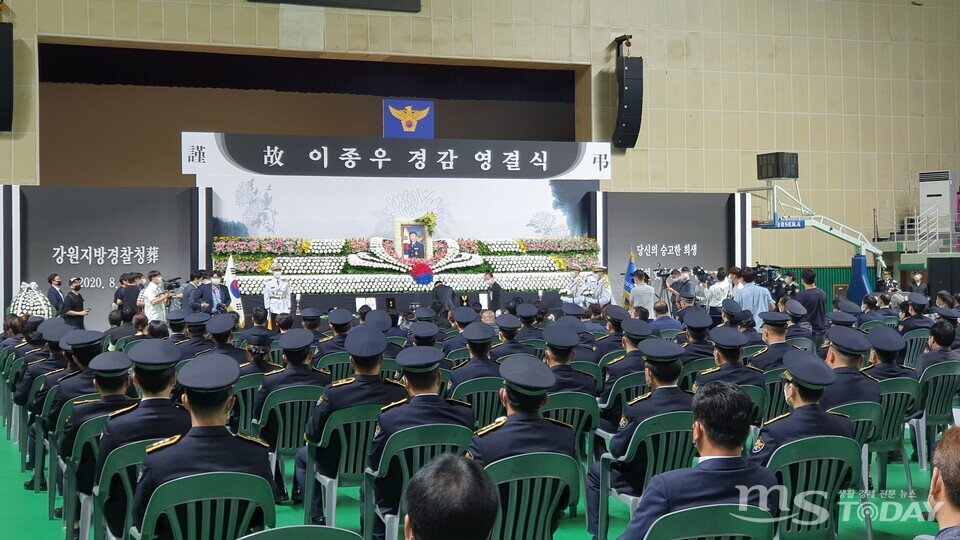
column 421, row 377
column 54, row 294
column 191, row 293
column 444, row 294
column 214, row 297
column 721, row 423
column 494, row 290
column 209, row 398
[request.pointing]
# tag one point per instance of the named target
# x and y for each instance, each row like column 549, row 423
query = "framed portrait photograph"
column 411, row 240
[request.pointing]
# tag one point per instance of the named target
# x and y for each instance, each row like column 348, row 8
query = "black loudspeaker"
column 6, row 77
column 940, row 274
column 630, row 102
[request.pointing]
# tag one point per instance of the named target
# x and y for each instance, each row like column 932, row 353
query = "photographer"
column 214, row 297
column 155, row 298
column 681, row 285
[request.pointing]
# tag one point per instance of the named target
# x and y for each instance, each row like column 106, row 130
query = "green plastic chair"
column 276, row 353
column 483, row 395
column 824, row 464
column 35, row 388
column 299, row 532
column 16, row 424
column 458, row 356
column 409, row 449
column 397, row 340
column 121, row 463
column 803, row 343
column 88, row 434
column 245, row 389
column 354, row 429
column 625, row 389
column 389, row 368
column 664, row 442
column 593, row 370
column 531, row 487
column 444, row 380
column 212, row 506
column 898, row 397
column 669, row 335
column 751, row 350
column 119, row 344
column 866, row 417
column 338, row 364
column 538, row 344
column 52, row 437
column 689, row 371
column 870, row 325
column 938, row 384
column 127, row 347
column 916, row 344
column 238, row 340
column 776, row 404
column 582, row 413
column 6, row 399
column 610, row 356
column 758, row 396
column 713, row 522
column 40, row 441
column 287, row 410
column 891, row 322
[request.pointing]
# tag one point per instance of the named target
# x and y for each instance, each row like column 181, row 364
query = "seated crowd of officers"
column 191, row 409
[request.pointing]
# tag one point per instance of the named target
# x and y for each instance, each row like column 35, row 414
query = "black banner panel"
column 97, row 234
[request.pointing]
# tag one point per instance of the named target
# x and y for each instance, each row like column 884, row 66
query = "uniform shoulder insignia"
column 343, row 382
column 68, row 375
column 709, row 371
column 454, row 368
column 826, row 344
column 245, row 364
column 871, row 366
column 182, row 341
column 691, row 392
column 324, row 340
column 755, row 368
column 114, row 414
column 494, row 426
column 398, row 383
column 274, row 372
column 458, row 402
column 252, row 440
column 685, row 343
column 604, row 337
column 61, row 369
column 617, row 359
column 772, row 420
column 324, row 371
column 559, row 423
column 839, row 413
column 37, row 361
column 798, row 348
column 203, row 352
column 24, row 344
column 758, row 353
column 641, row 398
column 163, row 444
column 497, row 345
column 900, row 327
column 392, row 405
column 591, row 347
column 909, row 367
column 84, row 402
column 38, row 349
column 871, row 377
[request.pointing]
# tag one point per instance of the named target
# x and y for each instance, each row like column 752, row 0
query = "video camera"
column 663, row 273
column 767, row 276
column 171, row 284
column 703, row 276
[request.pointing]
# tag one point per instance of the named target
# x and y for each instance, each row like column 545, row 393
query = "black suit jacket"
column 444, row 295
column 494, row 296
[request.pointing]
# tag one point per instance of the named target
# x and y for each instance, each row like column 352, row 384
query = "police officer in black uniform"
column 526, row 381
column 942, row 336
column 586, row 350
column 728, row 346
column 367, row 386
column 196, row 343
column 52, row 331
column 728, row 309
column 805, row 378
column 84, row 346
column 110, row 373
column 340, row 321
column 154, row 417
column 32, row 339
column 951, row 316
column 381, row 321
column 509, row 325
column 696, row 346
column 635, row 331
column 835, row 318
column 774, row 334
column 421, row 377
column 887, row 344
column 463, row 317
column 528, row 316
column 847, row 347
column 208, row 446
column 616, row 315
column 311, row 319
column 916, row 320
column 478, row 337
column 662, row 364
column 561, row 344
column 746, row 324
column 795, row 328
column 176, row 324
column 220, row 327
column 258, row 345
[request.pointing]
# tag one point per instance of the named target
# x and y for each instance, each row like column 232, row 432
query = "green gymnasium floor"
column 23, row 514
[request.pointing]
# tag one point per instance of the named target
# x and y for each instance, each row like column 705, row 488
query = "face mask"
column 215, row 281
column 159, row 280
column 917, row 277
column 76, row 287
column 489, row 282
column 276, row 275
column 57, row 283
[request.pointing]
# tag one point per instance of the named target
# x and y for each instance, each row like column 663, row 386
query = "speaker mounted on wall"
column 6, row 77
column 630, row 96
